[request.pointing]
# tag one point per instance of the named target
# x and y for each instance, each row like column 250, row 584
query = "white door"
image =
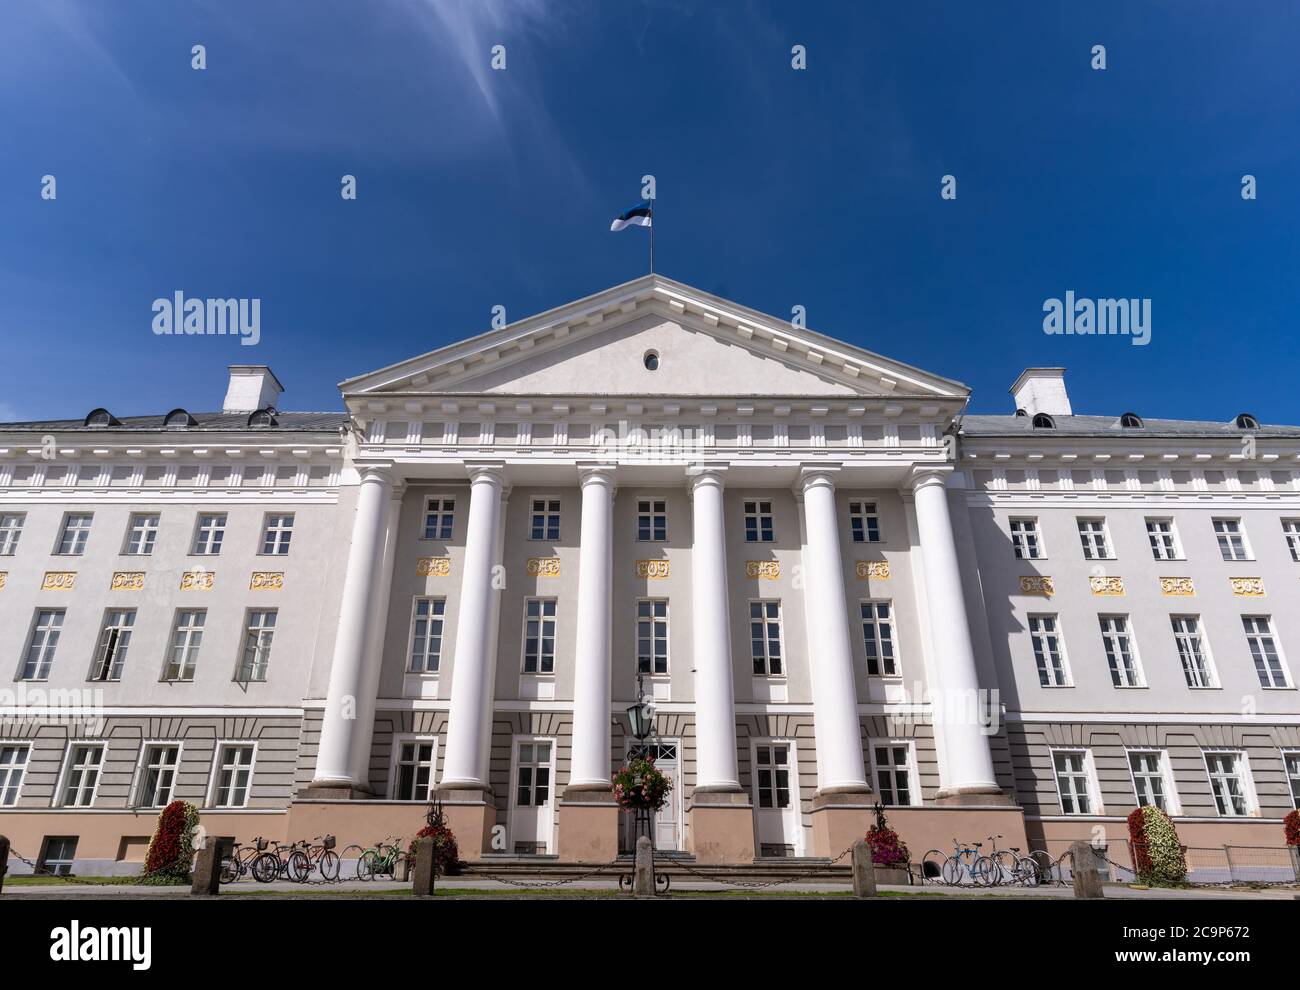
column 776, row 800
column 667, row 819
column 532, row 815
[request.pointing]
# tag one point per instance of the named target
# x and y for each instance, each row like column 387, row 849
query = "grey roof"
column 1108, row 426
column 214, row 422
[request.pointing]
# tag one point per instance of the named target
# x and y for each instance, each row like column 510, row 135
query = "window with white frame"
column 141, row 534
column 114, row 639
column 765, row 638
column 234, row 775
column 1149, row 768
column 864, row 522
column 758, row 521
column 277, row 532
column 533, row 774
column 11, row 528
column 58, row 853
column 652, row 635
column 439, row 518
column 42, row 643
column 539, row 636
column 75, row 532
column 1025, row 539
column 426, row 635
column 187, row 637
column 1121, row 652
column 772, row 775
column 1049, row 651
column 1290, row 527
column 1232, row 539
column 1193, row 651
column 85, row 760
column 1229, row 782
column 259, row 633
column 651, row 519
column 1074, row 781
column 1264, row 651
column 893, row 765
column 1095, row 540
column 158, row 775
column 13, row 764
column 1292, row 759
column 413, row 769
column 1164, row 539
column 209, row 532
column 878, row 638
column 545, row 524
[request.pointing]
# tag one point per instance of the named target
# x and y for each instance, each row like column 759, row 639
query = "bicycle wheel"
column 299, row 866
column 266, row 867
column 229, row 869
column 953, row 871
column 1027, row 872
column 368, row 865
column 985, row 872
column 329, row 865
column 932, row 866
column 1004, row 866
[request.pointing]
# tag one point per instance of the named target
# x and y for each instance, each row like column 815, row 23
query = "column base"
column 975, row 797
column 589, row 819
column 722, row 827
column 471, row 815
column 840, row 818
column 329, row 790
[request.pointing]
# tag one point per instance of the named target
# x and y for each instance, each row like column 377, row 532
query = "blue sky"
column 776, row 187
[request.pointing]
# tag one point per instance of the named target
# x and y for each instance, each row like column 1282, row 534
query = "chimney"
column 252, row 387
column 1042, row 390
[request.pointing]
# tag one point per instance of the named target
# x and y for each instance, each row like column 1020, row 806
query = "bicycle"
column 967, row 861
column 383, row 858
column 1009, row 863
column 238, row 863
column 323, row 857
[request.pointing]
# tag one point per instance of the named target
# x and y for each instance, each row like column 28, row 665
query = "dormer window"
column 179, row 419
column 101, row 418
column 1042, row 421
column 1247, row 422
column 262, row 417
column 1130, row 421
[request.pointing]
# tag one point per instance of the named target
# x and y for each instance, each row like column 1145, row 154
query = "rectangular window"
column 545, row 519
column 413, row 775
column 758, row 521
column 42, row 644
column 11, row 527
column 234, row 775
column 13, row 764
column 1232, row 539
column 277, row 531
column 1264, row 651
column 533, row 775
column 75, row 532
column 1292, row 776
column 1049, row 651
column 1291, row 527
column 1072, row 782
column 652, row 636
column 259, row 633
column 765, row 638
column 878, row 638
column 58, row 852
column 651, row 519
column 864, row 522
column 158, row 775
column 1193, row 651
column 426, row 635
column 208, row 534
column 439, row 518
column 141, row 534
column 1096, row 543
column 539, row 636
column 893, row 766
column 114, row 639
column 1228, row 782
column 187, row 637
column 1147, row 767
column 1121, row 654
column 1164, row 539
column 1025, row 539
column 84, row 764
column 772, row 775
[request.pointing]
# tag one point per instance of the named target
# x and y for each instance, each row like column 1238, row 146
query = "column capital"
column 486, row 471
column 382, row 473
column 597, row 473
column 711, row 473
column 815, row 476
column 927, row 475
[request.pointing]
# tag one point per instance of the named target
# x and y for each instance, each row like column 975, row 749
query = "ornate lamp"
column 641, row 716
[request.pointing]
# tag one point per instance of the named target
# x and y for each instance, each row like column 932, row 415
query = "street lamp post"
column 641, row 720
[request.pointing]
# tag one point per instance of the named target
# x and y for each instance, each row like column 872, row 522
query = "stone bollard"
column 207, row 870
column 4, row 860
column 643, row 879
column 864, row 871
column 1084, row 871
column 425, row 874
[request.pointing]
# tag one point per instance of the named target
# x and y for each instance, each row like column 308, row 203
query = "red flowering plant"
column 446, row 854
column 887, row 849
column 171, row 850
column 1158, row 856
column 640, row 785
column 1137, row 839
column 1291, row 824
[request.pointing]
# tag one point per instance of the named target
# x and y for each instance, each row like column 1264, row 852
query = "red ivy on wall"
column 1137, row 838
column 1292, row 825
column 168, row 845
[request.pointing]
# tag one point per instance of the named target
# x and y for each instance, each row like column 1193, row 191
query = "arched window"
column 1021, row 412
column 1247, row 422
column 179, row 419
column 1131, row 421
column 262, row 417
column 101, row 417
column 1042, row 421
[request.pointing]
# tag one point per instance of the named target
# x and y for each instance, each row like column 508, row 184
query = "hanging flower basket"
column 639, row 785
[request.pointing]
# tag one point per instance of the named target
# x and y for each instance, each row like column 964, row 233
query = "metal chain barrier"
column 615, row 864
column 757, row 884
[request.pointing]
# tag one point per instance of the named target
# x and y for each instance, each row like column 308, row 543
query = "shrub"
column 1291, row 823
column 171, row 850
column 887, row 849
column 1157, row 853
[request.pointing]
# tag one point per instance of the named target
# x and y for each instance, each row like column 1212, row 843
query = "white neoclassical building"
column 837, row 588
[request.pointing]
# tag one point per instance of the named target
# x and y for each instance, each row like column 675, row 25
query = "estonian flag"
column 638, row 216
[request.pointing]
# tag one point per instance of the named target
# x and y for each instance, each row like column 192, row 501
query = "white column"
column 830, row 652
column 591, row 674
column 465, row 765
column 960, row 733
column 715, row 696
column 334, row 764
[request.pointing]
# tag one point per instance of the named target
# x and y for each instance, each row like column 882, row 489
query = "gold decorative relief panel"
column 59, row 581
column 197, row 581
column 872, row 570
column 1037, row 584
column 1102, row 584
column 762, row 570
column 542, row 567
column 3, row 576
column 652, row 569
column 266, row 581
column 127, row 581
column 1177, row 587
column 433, row 567
column 1247, row 587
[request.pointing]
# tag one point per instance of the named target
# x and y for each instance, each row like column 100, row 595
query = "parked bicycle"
column 1011, row 867
column 966, row 864
column 239, row 862
column 382, row 859
column 321, row 856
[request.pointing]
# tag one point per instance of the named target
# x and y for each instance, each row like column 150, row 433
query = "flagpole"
column 652, row 237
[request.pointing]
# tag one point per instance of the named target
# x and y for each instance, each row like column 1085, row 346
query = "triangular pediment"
column 704, row 345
